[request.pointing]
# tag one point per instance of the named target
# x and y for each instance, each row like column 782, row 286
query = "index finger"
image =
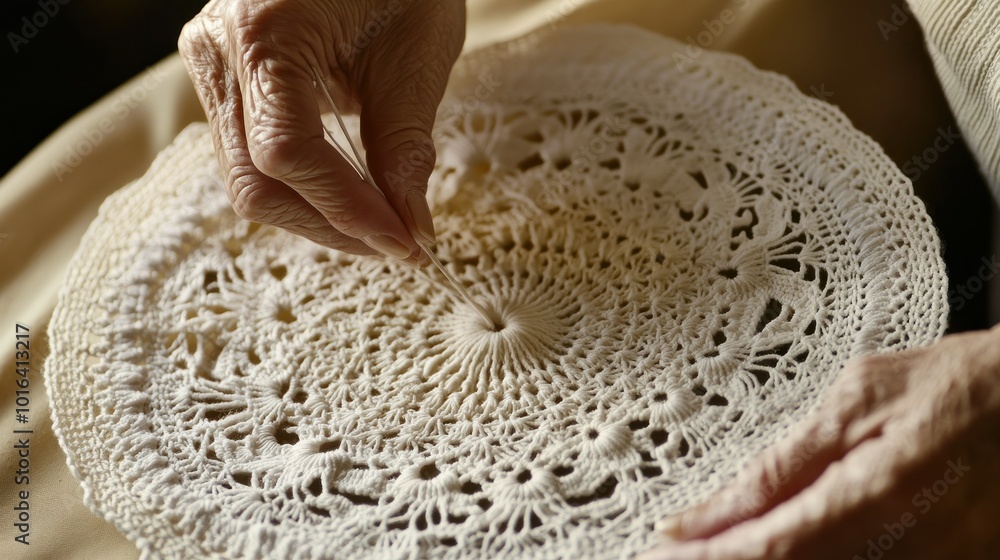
column 285, row 140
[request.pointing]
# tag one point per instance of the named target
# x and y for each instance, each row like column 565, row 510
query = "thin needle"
column 340, row 150
column 364, row 172
column 362, row 169
column 490, row 318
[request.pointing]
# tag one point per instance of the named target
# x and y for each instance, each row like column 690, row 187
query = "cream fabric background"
column 831, row 48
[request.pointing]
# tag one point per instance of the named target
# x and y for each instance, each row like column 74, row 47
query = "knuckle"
column 865, row 385
column 251, row 22
column 241, row 15
column 194, row 40
column 202, row 57
column 274, row 151
column 255, row 200
column 187, row 39
column 200, row 35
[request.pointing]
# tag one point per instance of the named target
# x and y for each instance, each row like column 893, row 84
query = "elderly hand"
column 901, row 460
column 252, row 65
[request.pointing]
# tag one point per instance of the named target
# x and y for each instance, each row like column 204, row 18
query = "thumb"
column 401, row 157
column 399, row 106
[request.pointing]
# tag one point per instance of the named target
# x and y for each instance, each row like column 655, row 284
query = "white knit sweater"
column 963, row 37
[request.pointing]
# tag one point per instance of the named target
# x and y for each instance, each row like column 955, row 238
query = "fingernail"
column 423, row 260
column 410, row 263
column 671, row 527
column 387, row 245
column 417, row 261
column 421, row 214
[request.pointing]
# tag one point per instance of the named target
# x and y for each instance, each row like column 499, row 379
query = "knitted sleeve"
column 963, row 37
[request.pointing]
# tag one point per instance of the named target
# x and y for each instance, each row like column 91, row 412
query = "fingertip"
column 671, row 527
column 359, row 210
column 388, row 245
column 423, row 259
column 719, row 513
column 690, row 524
column 417, row 261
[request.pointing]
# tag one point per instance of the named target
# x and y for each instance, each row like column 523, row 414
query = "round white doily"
column 684, row 251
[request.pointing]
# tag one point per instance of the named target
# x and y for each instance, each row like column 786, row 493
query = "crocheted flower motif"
column 673, row 297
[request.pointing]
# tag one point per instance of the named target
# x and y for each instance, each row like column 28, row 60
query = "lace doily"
column 684, row 255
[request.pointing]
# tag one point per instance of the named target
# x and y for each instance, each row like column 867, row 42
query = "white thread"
column 359, row 165
column 357, row 162
column 492, row 320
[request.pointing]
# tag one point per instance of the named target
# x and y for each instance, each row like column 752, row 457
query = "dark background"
column 89, row 47
column 85, row 50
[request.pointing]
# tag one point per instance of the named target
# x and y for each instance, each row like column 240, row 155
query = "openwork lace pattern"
column 683, row 256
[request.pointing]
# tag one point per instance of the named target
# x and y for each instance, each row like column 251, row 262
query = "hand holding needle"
column 251, row 64
column 353, row 156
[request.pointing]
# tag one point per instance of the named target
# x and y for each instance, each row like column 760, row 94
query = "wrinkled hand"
column 901, row 460
column 252, row 65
